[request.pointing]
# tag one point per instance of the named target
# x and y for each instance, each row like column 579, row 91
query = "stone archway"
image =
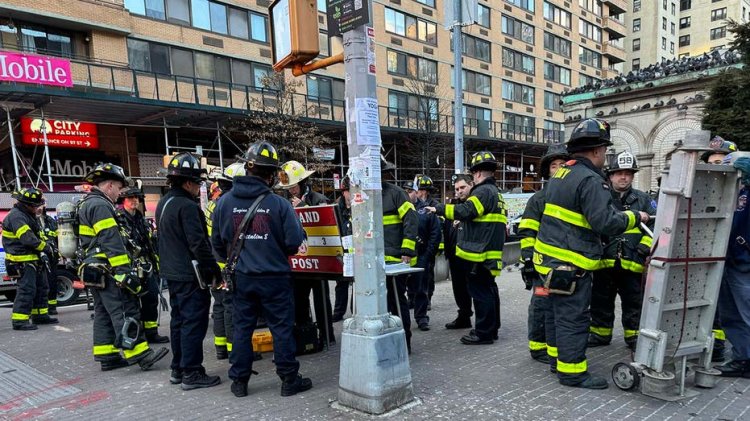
column 663, row 137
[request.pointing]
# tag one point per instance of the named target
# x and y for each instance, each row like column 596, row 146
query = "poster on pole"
column 367, row 122
column 370, row 51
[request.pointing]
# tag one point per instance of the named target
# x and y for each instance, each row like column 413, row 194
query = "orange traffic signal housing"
column 294, row 32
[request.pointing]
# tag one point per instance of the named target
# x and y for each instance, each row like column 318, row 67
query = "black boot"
column 114, row 364
column 540, row 356
column 718, row 355
column 596, row 340
column 24, row 326
column 294, row 384
column 175, row 377
column 459, row 323
column 592, row 382
column 221, row 352
column 153, row 337
column 52, row 310
column 239, row 388
column 735, row 368
column 198, row 379
column 150, row 358
column 631, row 343
column 44, row 320
column 473, row 339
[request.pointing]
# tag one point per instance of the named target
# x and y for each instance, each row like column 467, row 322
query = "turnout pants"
column 322, row 299
column 537, row 334
column 273, row 297
column 419, row 285
column 189, row 324
column 52, row 284
column 113, row 306
column 608, row 283
column 459, row 271
column 31, row 295
column 397, row 301
column 218, row 312
column 342, row 298
column 484, row 292
column 571, row 322
column 150, row 304
column 734, row 302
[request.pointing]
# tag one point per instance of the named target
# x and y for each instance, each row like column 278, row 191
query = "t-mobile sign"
column 29, row 68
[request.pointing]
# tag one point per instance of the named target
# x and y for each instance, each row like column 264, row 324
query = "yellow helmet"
column 291, row 174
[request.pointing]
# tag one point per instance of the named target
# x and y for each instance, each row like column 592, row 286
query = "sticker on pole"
column 370, row 50
column 367, row 121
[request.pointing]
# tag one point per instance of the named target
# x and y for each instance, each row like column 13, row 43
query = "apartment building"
column 662, row 30
column 155, row 73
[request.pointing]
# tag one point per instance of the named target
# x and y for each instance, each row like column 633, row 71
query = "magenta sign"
column 40, row 70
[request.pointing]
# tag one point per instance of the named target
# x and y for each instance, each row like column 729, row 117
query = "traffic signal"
column 294, row 32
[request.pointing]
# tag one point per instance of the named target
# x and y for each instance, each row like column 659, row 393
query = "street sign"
column 60, row 133
column 469, row 9
column 324, row 248
column 345, row 15
column 294, row 32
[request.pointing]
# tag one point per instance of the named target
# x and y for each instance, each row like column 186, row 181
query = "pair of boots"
column 145, row 362
column 291, row 385
column 34, row 321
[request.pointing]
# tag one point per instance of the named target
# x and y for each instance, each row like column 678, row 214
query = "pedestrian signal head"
column 30, row 196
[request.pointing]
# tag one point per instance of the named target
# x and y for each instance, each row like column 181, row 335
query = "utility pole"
column 374, row 375
column 458, row 101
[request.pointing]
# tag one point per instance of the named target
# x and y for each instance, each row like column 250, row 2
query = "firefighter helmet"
column 555, row 151
column 408, row 185
column 30, row 196
column 186, row 165
column 262, row 154
column 236, row 169
column 483, row 161
column 424, row 182
column 132, row 192
column 719, row 145
column 623, row 161
column 589, row 134
column 107, row 171
column 291, row 174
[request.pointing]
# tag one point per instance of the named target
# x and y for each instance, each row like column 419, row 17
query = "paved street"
column 50, row 374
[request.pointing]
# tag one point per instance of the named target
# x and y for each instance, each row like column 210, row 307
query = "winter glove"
column 643, row 250
column 528, row 273
column 743, row 164
column 129, row 282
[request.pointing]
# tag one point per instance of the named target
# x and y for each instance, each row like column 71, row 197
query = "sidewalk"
column 50, row 374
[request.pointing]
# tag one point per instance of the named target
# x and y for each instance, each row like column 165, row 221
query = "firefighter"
column 188, row 265
column 527, row 229
column 717, row 153
column 107, row 270
column 425, row 187
column 139, row 234
column 262, row 281
column 26, row 255
column 624, row 259
column 578, row 211
column 480, row 245
column 400, row 225
column 344, row 205
column 293, row 178
column 462, row 184
column 49, row 234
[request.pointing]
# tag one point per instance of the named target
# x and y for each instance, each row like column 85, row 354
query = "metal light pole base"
column 374, row 369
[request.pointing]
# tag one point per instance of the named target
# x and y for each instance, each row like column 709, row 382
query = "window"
column 430, row 3
column 584, row 80
column 201, row 15
column 411, row 66
column 260, row 72
column 136, row 6
column 258, row 25
column 588, row 57
column 518, row 61
column 637, row 44
column 664, row 23
column 473, row 115
column 557, row 45
column 672, row 28
column 477, row 83
column 475, row 47
column 410, row 27
column 182, row 62
column 589, row 30
column 719, row 14
column 685, row 4
column 636, row 25
column 178, row 12
column 685, row 22
column 324, row 89
column 323, row 44
column 238, row 23
column 684, row 40
column 218, row 17
column 557, row 15
column 554, row 131
column 403, row 104
column 517, row 92
column 636, row 64
column 671, row 47
column 521, row 124
column 322, row 7
column 674, row 9
column 664, row 4
column 663, row 43
column 38, row 39
column 483, row 16
column 523, row 4
column 636, row 6
column 719, row 33
column 593, row 6
column 151, row 8
column 556, row 73
column 518, row 29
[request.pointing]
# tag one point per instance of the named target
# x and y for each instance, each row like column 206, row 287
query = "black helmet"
column 554, row 151
column 108, row 171
column 588, row 134
column 483, row 161
column 719, row 145
column 262, row 154
column 408, row 185
column 186, row 165
column 31, row 196
column 132, row 192
column 623, row 161
column 424, row 182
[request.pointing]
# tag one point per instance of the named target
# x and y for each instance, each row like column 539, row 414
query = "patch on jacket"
column 606, row 186
column 741, row 202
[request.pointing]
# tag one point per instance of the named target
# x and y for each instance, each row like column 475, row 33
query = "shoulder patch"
column 571, row 162
column 606, row 186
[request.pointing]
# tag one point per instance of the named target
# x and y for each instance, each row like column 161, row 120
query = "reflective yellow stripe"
column 492, row 217
column 105, row 350
column 601, row 331
column 150, row 325
column 441, row 246
column 86, row 231
column 42, row 311
column 530, row 224
column 52, row 302
column 9, row 234
column 633, row 231
column 34, row 311
column 542, row 270
column 408, row 244
column 566, row 215
column 719, row 334
column 405, row 207
column 568, row 256
column 391, row 219
column 19, row 316
column 120, row 260
column 495, row 272
column 392, row 259
column 537, row 346
column 229, row 346
column 631, row 266
column 222, row 265
column 646, row 241
column 477, row 205
column 571, row 368
column 104, row 224
column 41, row 246
column 220, row 340
column 552, row 351
column 607, row 263
column 52, row 233
column 449, row 211
column 21, row 231
column 632, row 220
column 479, row 257
column 21, row 257
column 528, row 242
column 138, row 350
column 629, row 333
